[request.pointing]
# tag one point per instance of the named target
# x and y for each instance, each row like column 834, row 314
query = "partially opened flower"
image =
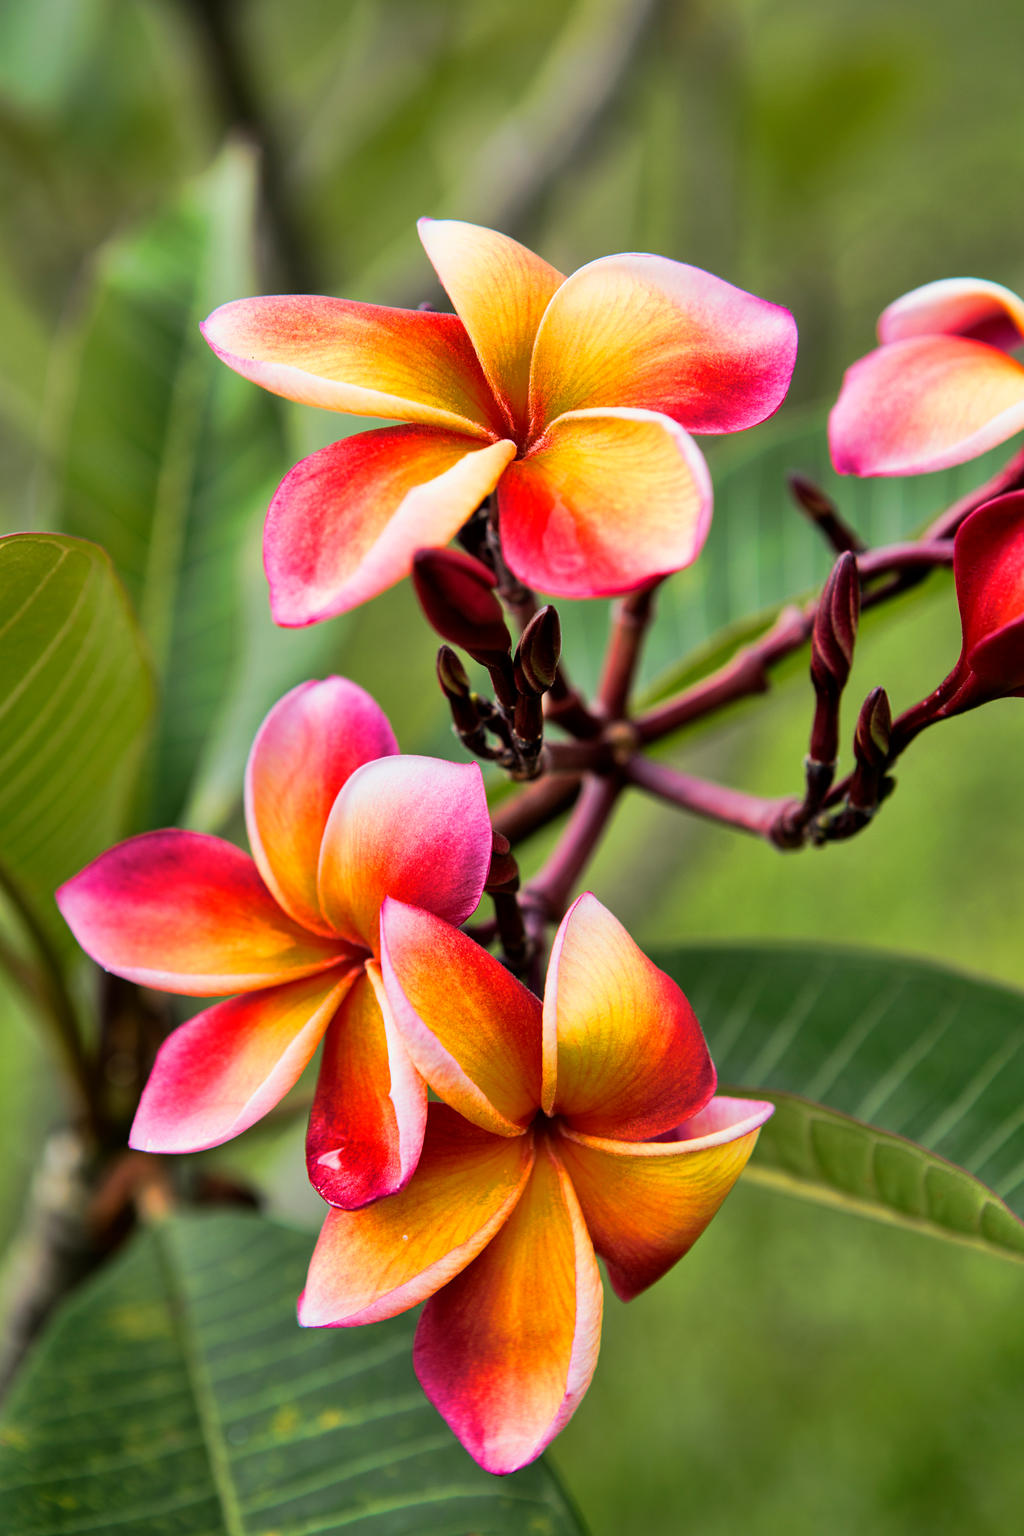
column 572, row 397
column 336, row 821
column 584, row 1125
column 941, row 389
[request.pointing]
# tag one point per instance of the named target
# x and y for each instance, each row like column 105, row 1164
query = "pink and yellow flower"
column 582, row 1125
column 573, row 398
column 336, row 822
column 941, row 389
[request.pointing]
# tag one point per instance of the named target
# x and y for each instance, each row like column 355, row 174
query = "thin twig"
column 631, row 619
column 716, row 802
column 549, row 893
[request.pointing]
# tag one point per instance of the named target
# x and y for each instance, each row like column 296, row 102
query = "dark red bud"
column 835, row 626
column 536, row 662
column 873, row 735
column 457, row 595
column 451, row 674
column 504, row 871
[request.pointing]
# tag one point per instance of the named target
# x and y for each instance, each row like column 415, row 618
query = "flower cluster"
column 581, row 1125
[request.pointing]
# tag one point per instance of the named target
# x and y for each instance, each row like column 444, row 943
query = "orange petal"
column 345, row 523
column 381, row 1260
column 605, row 500
column 304, row 751
column 956, row 306
column 925, row 403
column 471, row 1028
column 407, row 364
column 188, row 913
column 415, row 828
column 646, row 1203
column 222, row 1070
column 500, row 291
column 368, row 1117
column 506, row 1351
column 624, row 1055
column 657, row 334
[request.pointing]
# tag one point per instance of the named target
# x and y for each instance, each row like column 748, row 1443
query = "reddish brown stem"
column 550, row 892
column 631, row 620
column 730, row 807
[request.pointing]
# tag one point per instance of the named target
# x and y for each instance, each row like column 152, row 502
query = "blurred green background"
column 803, row 1371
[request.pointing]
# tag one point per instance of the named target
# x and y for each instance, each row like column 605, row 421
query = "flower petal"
column 222, row 1070
column 307, row 747
column 345, row 523
column 646, row 1203
column 381, row 1260
column 957, row 306
column 603, row 502
column 408, row 364
column 188, row 913
column 506, row 1351
column 500, row 291
column 988, row 567
column 366, row 1126
column 471, row 1028
column 925, row 403
column 624, row 1055
column 649, row 332
column 414, row 828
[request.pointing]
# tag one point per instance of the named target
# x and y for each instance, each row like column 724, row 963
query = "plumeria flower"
column 336, row 821
column 573, row 398
column 586, row 1124
column 941, row 389
column 988, row 569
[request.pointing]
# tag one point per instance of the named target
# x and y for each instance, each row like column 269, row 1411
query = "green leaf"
column 177, row 1396
column 75, row 702
column 169, row 459
column 899, row 1084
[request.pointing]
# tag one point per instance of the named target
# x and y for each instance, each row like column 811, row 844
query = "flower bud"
column 874, row 730
column 872, row 741
column 451, row 674
column 504, row 871
column 832, row 642
column 536, row 660
column 457, row 596
column 835, row 626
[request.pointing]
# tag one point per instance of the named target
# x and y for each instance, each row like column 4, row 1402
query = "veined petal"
column 471, row 1028
column 222, row 1070
column 408, row 364
column 649, row 332
column 345, row 523
column 956, row 306
column 370, row 1109
column 415, row 828
column 305, row 750
column 381, row 1260
column 506, row 1351
column 188, row 913
column 624, row 1055
column 988, row 567
column 500, row 291
column 925, row 403
column 604, row 501
column 647, row 1202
